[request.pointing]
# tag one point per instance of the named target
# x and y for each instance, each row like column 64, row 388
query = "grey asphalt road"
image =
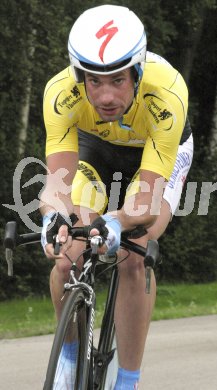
column 180, row 355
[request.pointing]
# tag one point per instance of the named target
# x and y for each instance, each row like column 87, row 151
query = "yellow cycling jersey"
column 155, row 121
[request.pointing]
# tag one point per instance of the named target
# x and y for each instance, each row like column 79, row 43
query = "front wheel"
column 68, row 360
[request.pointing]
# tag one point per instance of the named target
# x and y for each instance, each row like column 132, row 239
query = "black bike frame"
column 103, row 354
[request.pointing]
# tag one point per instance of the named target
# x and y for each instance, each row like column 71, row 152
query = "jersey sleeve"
column 59, row 117
column 165, row 112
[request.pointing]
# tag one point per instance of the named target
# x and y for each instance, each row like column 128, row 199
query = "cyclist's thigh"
column 88, row 192
column 91, row 179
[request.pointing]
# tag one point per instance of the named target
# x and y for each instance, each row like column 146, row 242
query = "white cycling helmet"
column 106, row 39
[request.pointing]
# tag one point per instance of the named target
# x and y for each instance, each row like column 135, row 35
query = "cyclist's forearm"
column 45, row 208
column 143, row 208
column 61, row 169
column 129, row 222
column 57, row 203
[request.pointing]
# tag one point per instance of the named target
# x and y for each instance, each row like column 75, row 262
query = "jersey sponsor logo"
column 66, row 101
column 75, row 91
column 104, row 133
column 110, row 32
column 163, row 118
column 164, row 115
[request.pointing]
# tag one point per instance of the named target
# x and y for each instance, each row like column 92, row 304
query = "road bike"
column 75, row 362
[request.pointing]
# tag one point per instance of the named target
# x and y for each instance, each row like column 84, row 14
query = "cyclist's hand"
column 109, row 228
column 55, row 224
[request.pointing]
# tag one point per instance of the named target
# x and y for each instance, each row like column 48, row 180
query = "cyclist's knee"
column 132, row 267
column 63, row 267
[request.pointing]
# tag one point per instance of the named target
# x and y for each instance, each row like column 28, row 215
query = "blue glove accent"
column 52, row 221
column 46, row 221
column 114, row 233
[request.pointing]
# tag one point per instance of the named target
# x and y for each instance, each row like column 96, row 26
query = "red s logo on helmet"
column 110, row 32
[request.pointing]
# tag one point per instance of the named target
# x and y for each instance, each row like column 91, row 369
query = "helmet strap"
column 139, row 73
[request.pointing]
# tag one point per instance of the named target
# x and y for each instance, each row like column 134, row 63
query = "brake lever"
column 10, row 243
column 57, row 245
column 9, row 259
column 151, row 258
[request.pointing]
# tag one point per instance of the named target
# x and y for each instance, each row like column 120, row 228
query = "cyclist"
column 117, row 129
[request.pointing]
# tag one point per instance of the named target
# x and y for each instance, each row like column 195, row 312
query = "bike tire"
column 73, row 323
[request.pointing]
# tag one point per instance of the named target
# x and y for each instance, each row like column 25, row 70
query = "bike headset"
column 105, row 40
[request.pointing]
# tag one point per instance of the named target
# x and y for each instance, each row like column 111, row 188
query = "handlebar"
column 151, row 254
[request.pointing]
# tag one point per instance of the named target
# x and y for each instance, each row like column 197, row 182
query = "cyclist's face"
column 111, row 95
